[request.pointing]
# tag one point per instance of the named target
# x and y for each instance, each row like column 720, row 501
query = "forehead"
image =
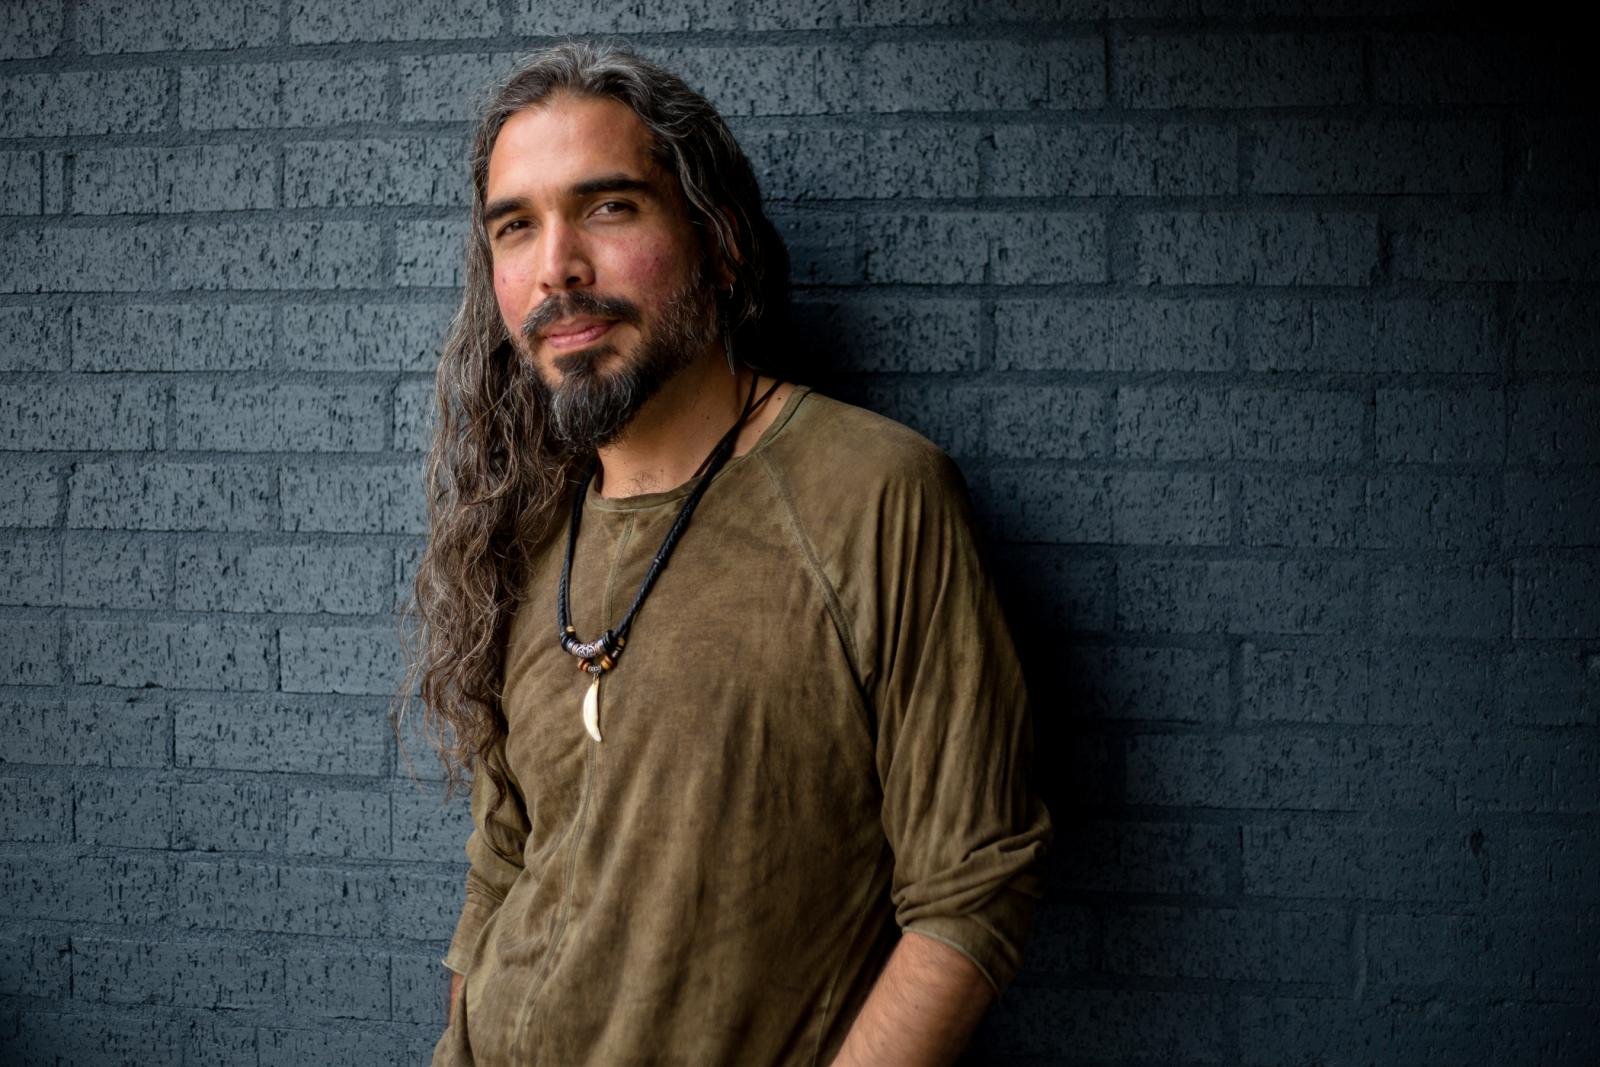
column 546, row 149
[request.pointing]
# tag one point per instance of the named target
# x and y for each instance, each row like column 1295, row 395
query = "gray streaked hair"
column 496, row 474
column 690, row 141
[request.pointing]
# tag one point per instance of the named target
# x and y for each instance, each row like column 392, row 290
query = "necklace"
column 600, row 655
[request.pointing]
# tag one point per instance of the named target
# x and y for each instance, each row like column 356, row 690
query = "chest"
column 735, row 697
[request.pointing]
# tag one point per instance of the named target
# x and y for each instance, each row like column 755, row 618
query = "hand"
column 456, row 982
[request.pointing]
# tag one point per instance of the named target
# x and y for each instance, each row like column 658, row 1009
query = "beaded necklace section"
column 600, row 655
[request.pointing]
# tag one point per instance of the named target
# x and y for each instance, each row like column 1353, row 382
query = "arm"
column 494, row 849
column 922, row 1010
column 954, row 744
column 456, row 981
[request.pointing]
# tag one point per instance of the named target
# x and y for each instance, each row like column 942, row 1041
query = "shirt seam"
column 822, row 1018
column 813, row 562
column 563, row 912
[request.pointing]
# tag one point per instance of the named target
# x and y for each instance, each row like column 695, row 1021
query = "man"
column 778, row 812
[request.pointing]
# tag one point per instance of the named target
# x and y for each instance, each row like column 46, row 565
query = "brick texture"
column 1265, row 335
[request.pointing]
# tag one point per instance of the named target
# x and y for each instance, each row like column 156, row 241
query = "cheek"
column 658, row 275
column 651, row 269
column 510, row 292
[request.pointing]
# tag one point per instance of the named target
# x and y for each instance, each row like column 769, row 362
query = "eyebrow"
column 608, row 183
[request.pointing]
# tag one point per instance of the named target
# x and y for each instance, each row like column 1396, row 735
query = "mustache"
column 577, row 302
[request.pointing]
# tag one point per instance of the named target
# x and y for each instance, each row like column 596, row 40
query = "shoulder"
column 835, row 453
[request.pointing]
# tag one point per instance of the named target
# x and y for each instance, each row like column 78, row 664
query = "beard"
column 589, row 407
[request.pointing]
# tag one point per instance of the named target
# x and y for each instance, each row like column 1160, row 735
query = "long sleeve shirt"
column 817, row 737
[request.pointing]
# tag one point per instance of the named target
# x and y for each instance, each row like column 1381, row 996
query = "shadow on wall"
column 1294, row 512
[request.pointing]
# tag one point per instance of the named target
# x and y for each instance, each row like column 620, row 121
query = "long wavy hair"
column 495, row 476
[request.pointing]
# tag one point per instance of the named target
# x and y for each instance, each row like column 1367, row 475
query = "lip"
column 575, row 335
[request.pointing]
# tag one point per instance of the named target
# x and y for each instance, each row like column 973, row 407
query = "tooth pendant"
column 591, row 709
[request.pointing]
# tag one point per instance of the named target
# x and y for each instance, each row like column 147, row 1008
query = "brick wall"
column 1265, row 333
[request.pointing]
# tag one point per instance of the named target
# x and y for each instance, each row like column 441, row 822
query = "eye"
column 510, row 227
column 613, row 207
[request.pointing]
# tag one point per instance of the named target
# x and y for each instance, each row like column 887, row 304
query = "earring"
column 727, row 334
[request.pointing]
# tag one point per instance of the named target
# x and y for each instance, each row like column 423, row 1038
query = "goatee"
column 590, row 407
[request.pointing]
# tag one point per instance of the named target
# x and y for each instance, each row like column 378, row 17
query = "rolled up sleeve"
column 494, row 851
column 953, row 735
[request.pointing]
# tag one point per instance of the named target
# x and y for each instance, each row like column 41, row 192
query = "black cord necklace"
column 600, row 655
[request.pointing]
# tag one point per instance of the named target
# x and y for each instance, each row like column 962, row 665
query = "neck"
column 670, row 436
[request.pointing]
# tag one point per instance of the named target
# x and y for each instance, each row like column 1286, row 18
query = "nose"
column 563, row 259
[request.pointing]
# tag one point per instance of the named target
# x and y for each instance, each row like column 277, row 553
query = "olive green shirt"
column 816, row 737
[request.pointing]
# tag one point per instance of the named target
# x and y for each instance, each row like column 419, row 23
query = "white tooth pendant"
column 591, row 709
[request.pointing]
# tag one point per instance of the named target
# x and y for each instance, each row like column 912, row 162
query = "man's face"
column 599, row 275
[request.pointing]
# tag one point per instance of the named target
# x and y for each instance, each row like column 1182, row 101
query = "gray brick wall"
column 1264, row 332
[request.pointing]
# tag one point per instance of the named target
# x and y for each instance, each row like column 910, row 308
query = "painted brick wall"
column 1265, row 333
